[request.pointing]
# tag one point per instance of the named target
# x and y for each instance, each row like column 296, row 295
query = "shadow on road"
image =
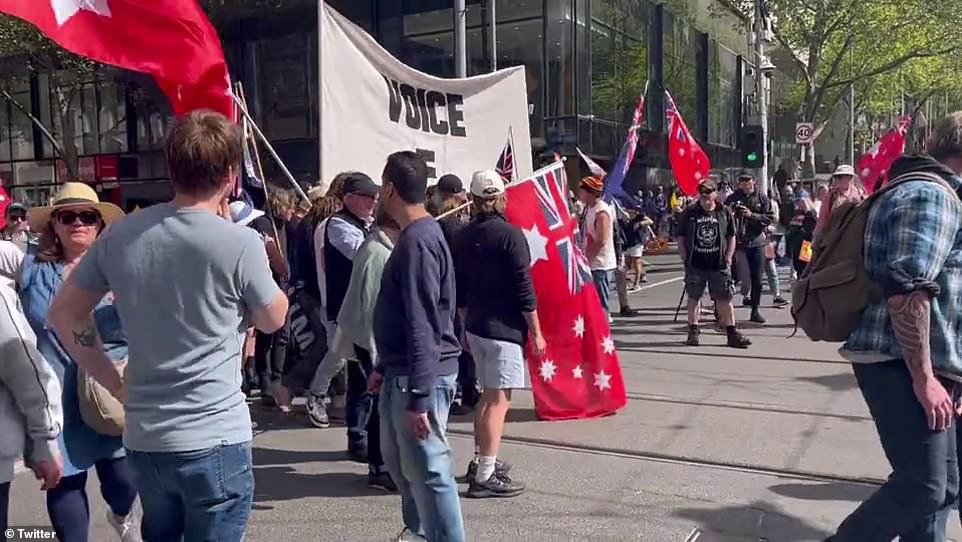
column 285, row 484
column 836, row 382
column 752, row 522
column 271, row 456
column 828, row 491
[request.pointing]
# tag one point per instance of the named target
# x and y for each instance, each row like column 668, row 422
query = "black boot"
column 757, row 317
column 736, row 339
column 693, row 334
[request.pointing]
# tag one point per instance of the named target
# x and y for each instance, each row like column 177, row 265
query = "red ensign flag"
column 170, row 39
column 688, row 161
column 580, row 376
column 875, row 164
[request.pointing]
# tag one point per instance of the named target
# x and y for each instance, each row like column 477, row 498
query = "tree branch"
column 43, row 129
column 889, row 66
column 832, row 71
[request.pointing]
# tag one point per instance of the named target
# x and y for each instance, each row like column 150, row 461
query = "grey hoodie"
column 30, row 396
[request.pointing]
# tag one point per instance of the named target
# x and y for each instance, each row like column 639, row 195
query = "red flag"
column 170, row 39
column 689, row 162
column 876, row 163
column 5, row 202
column 580, row 376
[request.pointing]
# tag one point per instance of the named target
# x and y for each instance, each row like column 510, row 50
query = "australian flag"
column 615, row 180
column 250, row 187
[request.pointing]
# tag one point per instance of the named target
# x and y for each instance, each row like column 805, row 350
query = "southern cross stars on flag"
column 580, row 376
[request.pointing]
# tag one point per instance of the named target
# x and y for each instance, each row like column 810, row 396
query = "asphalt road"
column 772, row 443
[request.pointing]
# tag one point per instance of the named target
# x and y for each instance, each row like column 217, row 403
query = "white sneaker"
column 125, row 527
column 408, row 536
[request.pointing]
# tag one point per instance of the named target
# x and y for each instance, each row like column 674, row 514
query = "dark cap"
column 362, row 185
column 16, row 207
column 708, row 183
column 450, row 184
column 745, row 174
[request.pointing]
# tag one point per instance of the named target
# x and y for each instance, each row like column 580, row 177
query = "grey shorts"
column 719, row 284
column 500, row 364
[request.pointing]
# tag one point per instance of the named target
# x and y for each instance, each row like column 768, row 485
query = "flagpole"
column 453, row 211
column 257, row 162
column 514, row 169
column 320, row 91
column 270, row 149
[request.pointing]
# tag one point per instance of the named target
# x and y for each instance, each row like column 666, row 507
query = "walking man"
column 706, row 241
column 418, row 366
column 497, row 297
column 599, row 237
column 186, row 283
column 906, row 352
column 753, row 214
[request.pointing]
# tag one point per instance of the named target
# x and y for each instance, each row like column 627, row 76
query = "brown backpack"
column 832, row 293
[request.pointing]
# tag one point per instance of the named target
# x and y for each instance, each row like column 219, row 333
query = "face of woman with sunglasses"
column 77, row 227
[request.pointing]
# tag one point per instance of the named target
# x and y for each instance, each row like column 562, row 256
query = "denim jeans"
column 915, row 503
column 69, row 508
column 422, row 469
column 751, row 265
column 363, row 421
column 199, row 495
column 602, row 281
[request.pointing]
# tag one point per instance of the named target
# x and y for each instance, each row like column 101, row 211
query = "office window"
column 5, row 133
column 21, row 127
column 285, row 70
column 559, row 62
column 619, row 67
column 112, row 118
column 680, row 62
column 722, row 75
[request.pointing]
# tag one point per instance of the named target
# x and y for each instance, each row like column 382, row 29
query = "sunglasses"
column 706, row 191
column 17, row 217
column 87, row 218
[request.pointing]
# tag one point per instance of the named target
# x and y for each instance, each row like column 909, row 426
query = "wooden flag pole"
column 239, row 95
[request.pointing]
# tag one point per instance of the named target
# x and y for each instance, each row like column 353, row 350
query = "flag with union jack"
column 689, row 162
column 615, row 180
column 580, row 376
column 505, row 166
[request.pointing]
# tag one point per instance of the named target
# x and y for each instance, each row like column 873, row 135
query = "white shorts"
column 500, row 364
column 636, row 251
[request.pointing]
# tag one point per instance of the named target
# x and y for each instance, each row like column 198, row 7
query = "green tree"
column 836, row 45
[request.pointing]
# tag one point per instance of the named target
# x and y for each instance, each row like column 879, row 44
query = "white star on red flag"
column 603, row 381
column 548, row 370
column 608, row 345
column 579, row 327
column 577, row 372
column 63, row 10
column 537, row 244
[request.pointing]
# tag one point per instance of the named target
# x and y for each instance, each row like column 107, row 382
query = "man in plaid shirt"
column 905, row 352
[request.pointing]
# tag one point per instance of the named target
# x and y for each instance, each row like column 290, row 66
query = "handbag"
column 99, row 409
column 805, row 254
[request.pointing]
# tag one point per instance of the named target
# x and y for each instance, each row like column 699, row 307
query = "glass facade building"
column 586, row 62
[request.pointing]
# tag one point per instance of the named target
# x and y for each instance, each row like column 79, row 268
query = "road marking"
column 662, row 283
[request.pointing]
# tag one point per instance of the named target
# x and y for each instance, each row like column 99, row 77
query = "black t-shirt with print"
column 706, row 243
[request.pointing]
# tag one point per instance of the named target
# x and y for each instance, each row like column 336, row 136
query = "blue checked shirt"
column 912, row 242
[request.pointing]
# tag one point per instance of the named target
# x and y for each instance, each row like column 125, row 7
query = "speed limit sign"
column 804, row 133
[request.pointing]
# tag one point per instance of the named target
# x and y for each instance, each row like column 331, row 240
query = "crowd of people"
column 131, row 343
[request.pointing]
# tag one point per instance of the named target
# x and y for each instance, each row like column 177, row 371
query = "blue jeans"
column 363, row 422
column 422, row 469
column 602, row 281
column 204, row 495
column 915, row 503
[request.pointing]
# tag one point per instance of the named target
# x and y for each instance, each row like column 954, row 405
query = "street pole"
column 460, row 43
column 851, row 125
column 761, row 98
column 493, row 34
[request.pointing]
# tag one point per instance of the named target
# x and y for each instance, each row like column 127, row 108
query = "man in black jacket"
column 495, row 293
column 706, row 241
column 753, row 214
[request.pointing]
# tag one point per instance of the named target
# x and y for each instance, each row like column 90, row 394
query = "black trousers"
column 755, row 256
column 4, row 505
column 270, row 355
column 363, row 421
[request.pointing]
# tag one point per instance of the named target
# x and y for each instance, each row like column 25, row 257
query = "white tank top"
column 605, row 260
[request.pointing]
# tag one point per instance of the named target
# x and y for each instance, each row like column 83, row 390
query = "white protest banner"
column 372, row 104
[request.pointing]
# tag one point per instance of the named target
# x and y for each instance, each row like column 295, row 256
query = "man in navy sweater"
column 418, row 366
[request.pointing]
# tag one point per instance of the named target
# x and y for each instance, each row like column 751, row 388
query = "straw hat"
column 73, row 195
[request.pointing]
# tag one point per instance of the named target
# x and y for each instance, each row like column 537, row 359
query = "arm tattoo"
column 86, row 337
column 910, row 321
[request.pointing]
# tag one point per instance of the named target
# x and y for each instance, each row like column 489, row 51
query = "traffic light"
column 752, row 146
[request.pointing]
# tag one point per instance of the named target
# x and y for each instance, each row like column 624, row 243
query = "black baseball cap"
column 16, row 208
column 362, row 185
column 745, row 174
column 709, row 184
column 450, row 184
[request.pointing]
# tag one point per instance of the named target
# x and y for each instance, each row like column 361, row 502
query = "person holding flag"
column 496, row 297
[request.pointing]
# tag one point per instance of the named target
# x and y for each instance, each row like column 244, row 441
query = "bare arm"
column 910, row 315
column 72, row 319
column 272, row 317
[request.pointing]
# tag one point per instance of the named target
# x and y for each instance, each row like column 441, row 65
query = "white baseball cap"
column 243, row 214
column 844, row 170
column 487, row 183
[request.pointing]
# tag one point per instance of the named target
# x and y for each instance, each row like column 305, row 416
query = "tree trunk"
column 69, row 152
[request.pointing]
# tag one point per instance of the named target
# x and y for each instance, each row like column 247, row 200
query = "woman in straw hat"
column 67, row 228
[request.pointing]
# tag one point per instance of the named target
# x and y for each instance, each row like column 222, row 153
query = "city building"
column 586, row 62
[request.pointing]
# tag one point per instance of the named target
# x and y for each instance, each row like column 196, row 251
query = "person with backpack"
column 904, row 347
column 706, row 242
column 753, row 214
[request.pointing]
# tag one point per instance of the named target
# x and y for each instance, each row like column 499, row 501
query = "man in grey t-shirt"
column 186, row 283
